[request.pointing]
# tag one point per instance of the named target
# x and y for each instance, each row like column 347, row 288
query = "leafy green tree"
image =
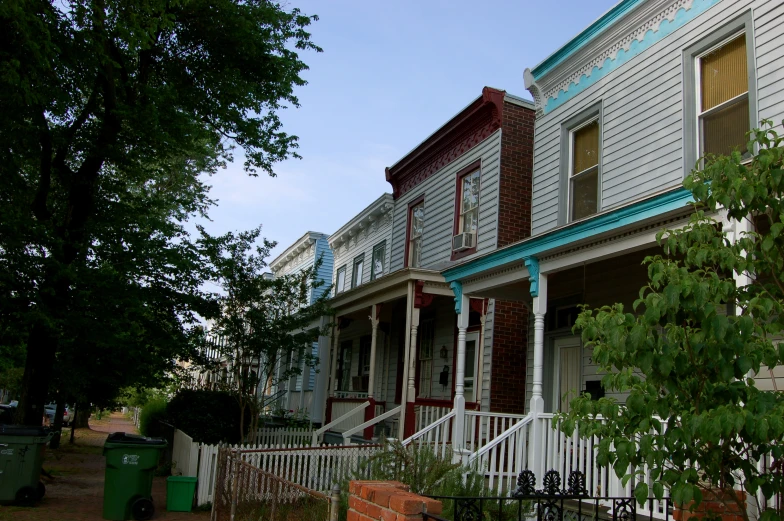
column 263, row 321
column 111, row 111
column 694, row 415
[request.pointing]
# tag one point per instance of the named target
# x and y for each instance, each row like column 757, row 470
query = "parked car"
column 7, row 413
column 49, row 411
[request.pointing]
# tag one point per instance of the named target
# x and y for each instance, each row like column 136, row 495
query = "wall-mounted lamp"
column 444, row 352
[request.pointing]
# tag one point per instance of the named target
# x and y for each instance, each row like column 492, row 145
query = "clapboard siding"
column 323, row 252
column 642, row 113
column 363, row 244
column 439, row 192
column 487, row 361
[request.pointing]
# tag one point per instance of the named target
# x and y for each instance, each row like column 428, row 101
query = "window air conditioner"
column 463, row 241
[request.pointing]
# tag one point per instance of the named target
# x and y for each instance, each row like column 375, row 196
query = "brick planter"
column 387, row 501
column 711, row 505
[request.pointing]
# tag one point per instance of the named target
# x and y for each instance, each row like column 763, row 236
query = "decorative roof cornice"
column 295, row 250
column 376, row 211
column 461, row 133
column 592, row 55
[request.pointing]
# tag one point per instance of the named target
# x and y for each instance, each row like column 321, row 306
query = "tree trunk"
column 73, row 423
column 82, row 416
column 41, row 349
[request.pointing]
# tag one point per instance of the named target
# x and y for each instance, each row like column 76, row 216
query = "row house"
column 624, row 111
column 301, row 393
column 392, row 361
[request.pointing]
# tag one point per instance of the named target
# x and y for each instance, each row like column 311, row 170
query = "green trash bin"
column 179, row 493
column 21, row 455
column 130, row 466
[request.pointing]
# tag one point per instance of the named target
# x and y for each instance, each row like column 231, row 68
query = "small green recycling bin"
column 21, row 454
column 179, row 493
column 130, row 466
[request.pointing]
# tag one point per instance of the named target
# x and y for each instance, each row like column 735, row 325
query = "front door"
column 567, row 379
column 472, row 354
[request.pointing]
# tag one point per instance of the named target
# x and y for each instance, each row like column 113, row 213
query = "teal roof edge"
column 631, row 214
column 585, row 36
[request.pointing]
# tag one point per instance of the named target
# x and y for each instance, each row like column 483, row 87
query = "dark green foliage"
column 151, row 417
column 694, row 415
column 206, row 416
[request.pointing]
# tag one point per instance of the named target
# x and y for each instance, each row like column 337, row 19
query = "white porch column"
column 373, row 340
column 333, row 372
column 538, row 284
column 406, row 353
column 411, row 391
column 462, row 307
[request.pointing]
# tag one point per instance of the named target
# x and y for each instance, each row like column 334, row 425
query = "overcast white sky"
column 391, row 73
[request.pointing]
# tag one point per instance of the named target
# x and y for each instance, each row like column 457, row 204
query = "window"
column 719, row 92
column 416, row 224
column 426, row 341
column 723, row 97
column 344, row 365
column 469, row 203
column 341, row 282
column 584, row 170
column 356, row 276
column 379, row 256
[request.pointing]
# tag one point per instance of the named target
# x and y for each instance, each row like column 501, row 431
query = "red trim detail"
column 478, row 305
column 328, row 416
column 408, row 428
column 413, row 203
column 422, row 299
column 480, row 119
column 473, row 167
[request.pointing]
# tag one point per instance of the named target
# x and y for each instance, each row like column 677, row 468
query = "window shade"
column 586, row 148
column 724, row 73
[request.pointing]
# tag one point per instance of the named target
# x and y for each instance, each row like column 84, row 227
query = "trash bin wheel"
column 142, row 509
column 27, row 495
column 41, row 490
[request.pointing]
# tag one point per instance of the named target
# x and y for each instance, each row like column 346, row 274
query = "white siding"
column 363, row 243
column 439, row 192
column 642, row 138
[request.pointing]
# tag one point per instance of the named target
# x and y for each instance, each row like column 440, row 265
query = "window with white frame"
column 584, row 169
column 723, row 97
column 341, row 280
column 426, row 341
column 356, row 276
column 469, row 203
column 377, row 263
column 416, row 228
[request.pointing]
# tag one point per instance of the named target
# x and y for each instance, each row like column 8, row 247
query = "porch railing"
column 437, row 435
column 483, row 427
column 370, row 423
column 348, row 419
column 506, row 455
column 429, row 414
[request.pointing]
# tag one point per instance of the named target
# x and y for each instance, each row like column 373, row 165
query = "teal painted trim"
column 666, row 27
column 535, row 246
column 588, row 34
column 457, row 289
column 532, row 263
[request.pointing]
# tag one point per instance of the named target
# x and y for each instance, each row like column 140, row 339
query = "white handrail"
column 500, row 438
column 338, row 420
column 430, row 427
column 347, row 434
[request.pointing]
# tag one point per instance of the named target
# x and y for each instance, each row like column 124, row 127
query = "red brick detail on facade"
column 516, row 176
column 387, row 501
column 510, row 348
column 455, row 138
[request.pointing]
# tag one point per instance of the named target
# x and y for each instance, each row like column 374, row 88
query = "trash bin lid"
column 123, row 438
column 23, row 430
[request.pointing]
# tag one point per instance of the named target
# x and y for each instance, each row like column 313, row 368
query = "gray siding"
column 439, row 192
column 643, row 120
column 363, row 243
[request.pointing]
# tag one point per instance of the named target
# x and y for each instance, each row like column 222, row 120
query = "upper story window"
column 340, row 283
column 356, row 277
column 416, row 226
column 723, row 92
column 379, row 257
column 469, row 202
column 584, row 170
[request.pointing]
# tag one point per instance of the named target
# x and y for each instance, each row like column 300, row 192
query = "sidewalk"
column 76, row 493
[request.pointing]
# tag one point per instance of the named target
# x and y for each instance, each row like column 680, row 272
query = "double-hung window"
column 584, row 170
column 416, row 227
column 340, row 284
column 379, row 257
column 469, row 203
column 723, row 97
column 356, row 276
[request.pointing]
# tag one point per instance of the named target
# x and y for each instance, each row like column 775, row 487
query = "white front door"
column 471, row 357
column 567, row 380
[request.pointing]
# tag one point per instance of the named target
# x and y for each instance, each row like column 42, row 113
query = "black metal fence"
column 553, row 502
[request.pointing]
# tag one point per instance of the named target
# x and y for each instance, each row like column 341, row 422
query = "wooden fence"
column 284, row 436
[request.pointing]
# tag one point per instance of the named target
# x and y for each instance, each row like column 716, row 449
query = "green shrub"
column 206, row 416
column 152, row 415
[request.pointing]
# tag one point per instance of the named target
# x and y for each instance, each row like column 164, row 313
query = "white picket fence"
column 285, row 436
column 185, row 455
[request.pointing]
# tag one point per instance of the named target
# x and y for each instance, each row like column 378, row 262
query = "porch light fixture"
column 443, row 352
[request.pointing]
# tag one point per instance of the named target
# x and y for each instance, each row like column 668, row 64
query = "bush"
column 152, row 415
column 206, row 416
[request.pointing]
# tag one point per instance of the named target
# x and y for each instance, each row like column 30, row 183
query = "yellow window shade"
column 724, row 73
column 586, row 147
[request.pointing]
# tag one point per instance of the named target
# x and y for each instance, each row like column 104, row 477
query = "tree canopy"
column 113, row 113
column 709, row 320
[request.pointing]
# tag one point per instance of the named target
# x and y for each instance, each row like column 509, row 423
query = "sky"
column 391, row 74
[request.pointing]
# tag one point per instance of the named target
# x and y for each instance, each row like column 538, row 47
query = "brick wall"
column 516, row 177
column 387, row 501
column 510, row 344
